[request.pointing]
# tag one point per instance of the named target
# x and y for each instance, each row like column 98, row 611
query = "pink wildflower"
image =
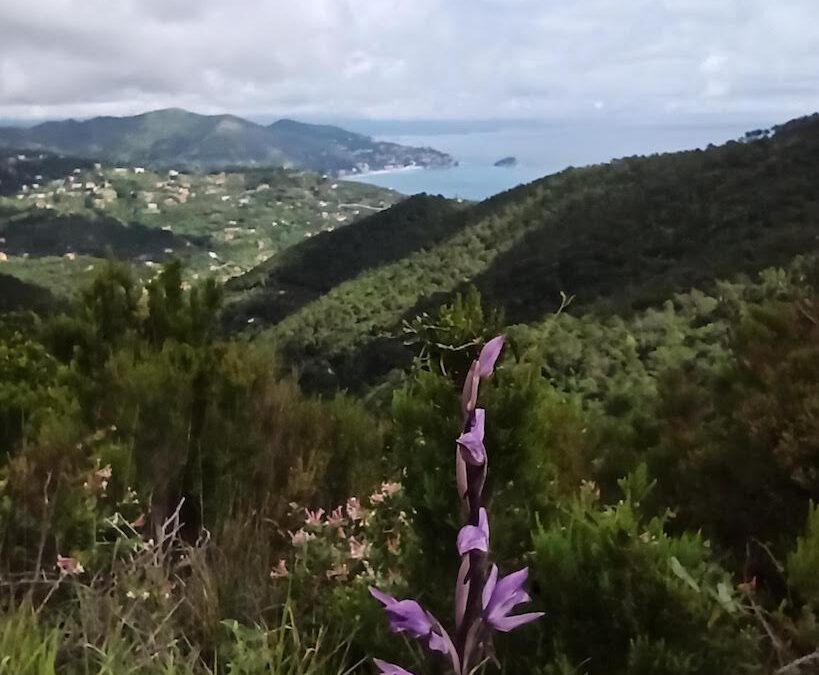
column 354, row 510
column 301, row 537
column 69, row 566
column 358, row 549
column 389, row 489
column 279, row 571
column 313, row 517
column 338, row 571
column 335, row 518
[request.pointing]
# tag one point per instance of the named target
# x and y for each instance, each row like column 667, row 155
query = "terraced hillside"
column 618, row 236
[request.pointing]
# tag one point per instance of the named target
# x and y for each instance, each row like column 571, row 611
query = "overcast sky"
column 433, row 59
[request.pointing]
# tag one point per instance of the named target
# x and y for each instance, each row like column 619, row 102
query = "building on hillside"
column 108, row 194
column 139, row 169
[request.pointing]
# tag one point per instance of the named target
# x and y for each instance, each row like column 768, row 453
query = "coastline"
column 382, row 172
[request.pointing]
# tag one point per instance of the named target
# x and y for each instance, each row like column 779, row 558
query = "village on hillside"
column 223, row 223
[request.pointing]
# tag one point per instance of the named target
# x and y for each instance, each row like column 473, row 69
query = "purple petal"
column 408, row 616
column 489, row 355
column 437, row 643
column 460, row 477
column 507, row 623
column 472, row 538
column 471, row 441
column 489, row 587
column 383, row 598
column 508, row 593
column 461, row 591
column 469, row 395
column 390, row 668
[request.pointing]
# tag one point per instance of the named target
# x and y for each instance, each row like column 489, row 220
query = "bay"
column 540, row 150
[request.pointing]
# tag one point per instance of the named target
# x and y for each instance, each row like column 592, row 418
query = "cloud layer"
column 467, row 59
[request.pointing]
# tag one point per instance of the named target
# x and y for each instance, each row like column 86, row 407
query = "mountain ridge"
column 177, row 138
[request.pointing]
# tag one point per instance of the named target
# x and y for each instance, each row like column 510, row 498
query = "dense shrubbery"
column 172, row 503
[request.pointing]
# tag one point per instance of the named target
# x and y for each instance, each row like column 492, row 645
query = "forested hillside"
column 616, row 237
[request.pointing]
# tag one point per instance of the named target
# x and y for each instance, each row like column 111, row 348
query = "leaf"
column 682, row 573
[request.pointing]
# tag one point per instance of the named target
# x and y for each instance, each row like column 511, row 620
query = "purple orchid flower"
column 500, row 597
column 489, row 355
column 482, row 368
column 471, row 441
column 385, row 668
column 472, row 538
column 407, row 616
column 483, row 603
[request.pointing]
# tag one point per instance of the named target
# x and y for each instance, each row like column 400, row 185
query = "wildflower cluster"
column 484, row 600
column 361, row 539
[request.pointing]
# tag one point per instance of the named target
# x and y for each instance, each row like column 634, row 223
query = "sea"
column 540, row 150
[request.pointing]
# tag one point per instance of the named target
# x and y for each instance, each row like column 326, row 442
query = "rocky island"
column 507, row 162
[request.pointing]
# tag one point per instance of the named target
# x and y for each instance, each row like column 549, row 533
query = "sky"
column 648, row 60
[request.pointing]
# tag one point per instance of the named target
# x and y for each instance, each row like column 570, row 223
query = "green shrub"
column 625, row 597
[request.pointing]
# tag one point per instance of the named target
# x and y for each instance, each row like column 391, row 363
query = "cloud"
column 640, row 59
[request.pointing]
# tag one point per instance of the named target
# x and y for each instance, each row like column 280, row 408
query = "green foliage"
column 674, row 606
column 737, row 451
column 803, row 562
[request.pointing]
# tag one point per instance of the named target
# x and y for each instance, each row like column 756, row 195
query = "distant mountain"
column 328, row 148
column 619, row 237
column 181, row 139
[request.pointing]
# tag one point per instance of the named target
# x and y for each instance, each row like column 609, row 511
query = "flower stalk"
column 483, row 600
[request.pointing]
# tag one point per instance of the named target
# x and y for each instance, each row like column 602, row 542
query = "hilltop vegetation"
column 616, row 237
column 176, row 138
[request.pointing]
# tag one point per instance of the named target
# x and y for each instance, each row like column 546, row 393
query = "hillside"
column 617, row 237
column 177, row 138
column 56, row 229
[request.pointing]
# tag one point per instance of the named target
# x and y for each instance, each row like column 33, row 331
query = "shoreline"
column 382, row 172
